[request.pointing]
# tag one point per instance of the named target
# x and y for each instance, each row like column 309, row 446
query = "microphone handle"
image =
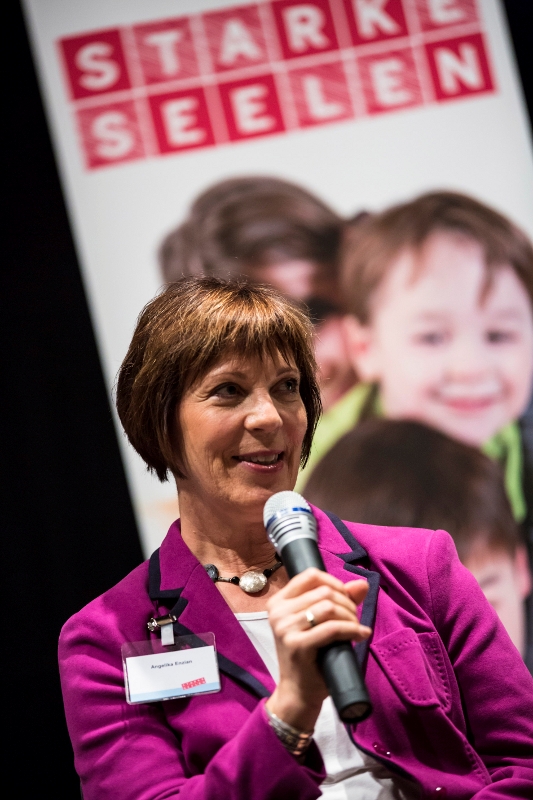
column 337, row 661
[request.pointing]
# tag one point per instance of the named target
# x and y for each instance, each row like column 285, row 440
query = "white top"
column 351, row 774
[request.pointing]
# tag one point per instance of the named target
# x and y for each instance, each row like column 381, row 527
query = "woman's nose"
column 262, row 413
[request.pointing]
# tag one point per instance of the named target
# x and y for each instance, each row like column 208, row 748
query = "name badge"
column 153, row 672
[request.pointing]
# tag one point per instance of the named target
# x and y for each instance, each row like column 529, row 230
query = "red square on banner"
column 235, row 38
column 459, row 67
column 390, row 81
column 181, row 120
column 375, row 20
column 166, row 50
column 95, row 63
column 321, row 94
column 304, row 28
column 437, row 14
column 251, row 107
column 110, row 134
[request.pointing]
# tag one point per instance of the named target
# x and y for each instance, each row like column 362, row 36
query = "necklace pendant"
column 253, row 581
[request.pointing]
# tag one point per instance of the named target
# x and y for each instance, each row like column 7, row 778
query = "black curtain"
column 69, row 531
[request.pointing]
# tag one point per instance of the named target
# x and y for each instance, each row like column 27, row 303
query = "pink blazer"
column 453, row 702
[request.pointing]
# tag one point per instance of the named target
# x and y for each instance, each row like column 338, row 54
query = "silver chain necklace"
column 251, row 582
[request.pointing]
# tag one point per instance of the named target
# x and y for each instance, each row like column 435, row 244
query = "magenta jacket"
column 453, row 702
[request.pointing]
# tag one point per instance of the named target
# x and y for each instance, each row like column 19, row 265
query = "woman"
column 218, row 388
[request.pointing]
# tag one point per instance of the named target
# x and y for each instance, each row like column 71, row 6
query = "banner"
column 362, row 102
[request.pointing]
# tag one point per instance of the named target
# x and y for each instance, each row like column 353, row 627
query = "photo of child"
column 268, row 230
column 440, row 329
column 403, row 473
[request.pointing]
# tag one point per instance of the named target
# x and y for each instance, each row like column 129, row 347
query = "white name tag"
column 153, row 672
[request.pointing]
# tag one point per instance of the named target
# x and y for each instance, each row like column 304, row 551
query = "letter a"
column 237, row 41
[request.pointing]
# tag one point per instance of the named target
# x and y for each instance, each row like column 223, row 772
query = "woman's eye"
column 290, row 386
column 500, row 337
column 227, row 391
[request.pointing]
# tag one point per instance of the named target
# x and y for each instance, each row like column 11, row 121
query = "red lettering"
column 235, row 38
column 304, row 28
column 436, row 14
column 321, row 94
column 95, row 63
column 181, row 120
column 110, row 134
column 375, row 20
column 166, row 50
column 390, row 81
column 251, row 107
column 459, row 67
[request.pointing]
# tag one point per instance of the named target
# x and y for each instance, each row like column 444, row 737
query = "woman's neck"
column 231, row 541
column 234, row 546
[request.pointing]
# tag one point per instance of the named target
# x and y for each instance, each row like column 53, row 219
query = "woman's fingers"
column 325, row 633
column 307, row 580
column 293, row 605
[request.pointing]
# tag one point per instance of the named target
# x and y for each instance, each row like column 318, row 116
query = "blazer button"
column 439, row 791
column 380, row 750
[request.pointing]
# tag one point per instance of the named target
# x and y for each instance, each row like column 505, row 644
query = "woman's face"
column 242, row 427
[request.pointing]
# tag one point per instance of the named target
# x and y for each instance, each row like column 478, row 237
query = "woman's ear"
column 361, row 348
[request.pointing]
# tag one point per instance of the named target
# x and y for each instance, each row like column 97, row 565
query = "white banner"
column 363, row 102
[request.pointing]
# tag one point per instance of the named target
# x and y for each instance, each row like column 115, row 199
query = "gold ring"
column 310, row 617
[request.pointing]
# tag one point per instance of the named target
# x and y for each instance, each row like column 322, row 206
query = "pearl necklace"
column 251, row 582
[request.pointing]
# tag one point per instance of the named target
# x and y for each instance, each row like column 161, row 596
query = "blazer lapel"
column 348, row 560
column 179, row 580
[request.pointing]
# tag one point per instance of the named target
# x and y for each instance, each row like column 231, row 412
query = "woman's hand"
column 301, row 690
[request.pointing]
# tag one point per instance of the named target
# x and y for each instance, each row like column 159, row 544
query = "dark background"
column 69, row 530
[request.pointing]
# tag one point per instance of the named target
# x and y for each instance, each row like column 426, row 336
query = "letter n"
column 459, row 67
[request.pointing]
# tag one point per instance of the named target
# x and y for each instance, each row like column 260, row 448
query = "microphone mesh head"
column 281, row 501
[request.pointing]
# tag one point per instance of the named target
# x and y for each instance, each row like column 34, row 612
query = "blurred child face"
column 442, row 352
column 306, row 281
column 506, row 582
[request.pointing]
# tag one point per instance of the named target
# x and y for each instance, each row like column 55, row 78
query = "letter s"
column 100, row 72
column 113, row 137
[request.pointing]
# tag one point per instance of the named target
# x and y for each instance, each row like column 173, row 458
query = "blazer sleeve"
column 495, row 685
column 129, row 752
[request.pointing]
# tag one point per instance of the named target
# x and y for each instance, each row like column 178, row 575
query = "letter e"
column 387, row 81
column 179, row 118
column 249, row 109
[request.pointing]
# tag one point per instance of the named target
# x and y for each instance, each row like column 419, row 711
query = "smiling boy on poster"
column 440, row 291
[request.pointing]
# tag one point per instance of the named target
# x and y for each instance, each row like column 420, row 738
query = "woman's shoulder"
column 120, row 612
column 409, row 546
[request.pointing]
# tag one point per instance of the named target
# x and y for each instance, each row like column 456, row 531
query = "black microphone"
column 292, row 529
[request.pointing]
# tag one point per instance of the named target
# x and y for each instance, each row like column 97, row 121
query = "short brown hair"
column 372, row 245
column 181, row 334
column 403, row 473
column 250, row 221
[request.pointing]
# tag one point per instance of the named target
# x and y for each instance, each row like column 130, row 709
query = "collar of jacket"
column 178, row 581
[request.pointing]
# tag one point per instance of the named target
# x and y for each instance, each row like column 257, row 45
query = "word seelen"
column 266, row 68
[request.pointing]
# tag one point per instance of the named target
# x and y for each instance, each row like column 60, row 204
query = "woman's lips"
column 266, row 461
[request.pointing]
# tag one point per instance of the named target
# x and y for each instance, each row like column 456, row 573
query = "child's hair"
column 403, row 473
column 251, row 221
column 371, row 246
